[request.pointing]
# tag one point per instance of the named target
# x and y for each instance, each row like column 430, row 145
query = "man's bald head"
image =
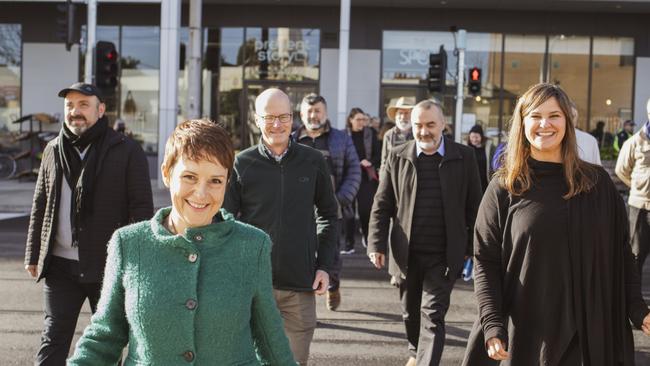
column 272, row 96
column 274, row 106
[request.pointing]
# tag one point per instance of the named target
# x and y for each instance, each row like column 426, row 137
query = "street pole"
column 91, row 26
column 194, row 61
column 344, row 48
column 170, row 23
column 460, row 84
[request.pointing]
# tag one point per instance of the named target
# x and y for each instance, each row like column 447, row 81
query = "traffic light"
column 474, row 81
column 65, row 23
column 106, row 66
column 437, row 71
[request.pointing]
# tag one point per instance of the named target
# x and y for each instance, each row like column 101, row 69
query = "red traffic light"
column 475, row 74
column 112, row 55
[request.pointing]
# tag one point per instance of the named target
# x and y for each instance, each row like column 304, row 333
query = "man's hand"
column 378, row 259
column 365, row 163
column 496, row 350
column 321, row 282
column 31, row 269
column 646, row 325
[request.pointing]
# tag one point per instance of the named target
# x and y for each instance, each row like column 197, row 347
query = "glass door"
column 249, row 132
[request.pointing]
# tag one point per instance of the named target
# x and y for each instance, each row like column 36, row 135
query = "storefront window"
column 405, row 56
column 136, row 98
column 140, row 63
column 523, row 67
column 483, row 52
column 281, row 54
column 568, row 66
column 611, row 81
column 10, row 69
column 224, row 57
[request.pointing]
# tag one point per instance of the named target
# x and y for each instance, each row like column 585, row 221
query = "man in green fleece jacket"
column 284, row 188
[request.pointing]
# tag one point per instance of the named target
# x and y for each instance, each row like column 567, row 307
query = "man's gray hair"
column 430, row 103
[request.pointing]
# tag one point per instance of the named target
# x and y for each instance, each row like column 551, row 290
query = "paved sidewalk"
column 16, row 197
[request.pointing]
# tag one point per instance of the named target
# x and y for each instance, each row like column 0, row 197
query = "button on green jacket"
column 202, row 298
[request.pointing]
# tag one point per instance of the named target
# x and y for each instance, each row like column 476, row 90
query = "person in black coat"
column 369, row 151
column 554, row 275
column 92, row 180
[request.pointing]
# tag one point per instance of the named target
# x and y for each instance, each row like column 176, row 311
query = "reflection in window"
column 10, row 68
column 612, row 78
column 280, row 54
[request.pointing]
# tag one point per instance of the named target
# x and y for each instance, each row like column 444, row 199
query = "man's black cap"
column 83, row 88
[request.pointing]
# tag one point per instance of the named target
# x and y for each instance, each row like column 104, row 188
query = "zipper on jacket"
column 281, row 191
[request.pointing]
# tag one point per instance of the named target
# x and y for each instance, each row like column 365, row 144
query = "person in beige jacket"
column 633, row 168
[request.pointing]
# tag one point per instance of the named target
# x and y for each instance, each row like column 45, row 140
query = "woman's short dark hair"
column 199, row 139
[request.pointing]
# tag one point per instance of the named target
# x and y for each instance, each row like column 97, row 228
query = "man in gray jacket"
column 633, row 168
column 429, row 193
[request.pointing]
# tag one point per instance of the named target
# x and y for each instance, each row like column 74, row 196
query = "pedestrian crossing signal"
column 474, row 81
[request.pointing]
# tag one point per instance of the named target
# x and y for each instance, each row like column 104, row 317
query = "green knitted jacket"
column 201, row 298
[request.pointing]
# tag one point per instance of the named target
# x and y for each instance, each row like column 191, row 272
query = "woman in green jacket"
column 192, row 285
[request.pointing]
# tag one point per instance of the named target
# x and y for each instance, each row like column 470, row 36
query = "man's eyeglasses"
column 270, row 119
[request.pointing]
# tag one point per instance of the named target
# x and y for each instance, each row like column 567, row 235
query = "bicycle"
column 7, row 166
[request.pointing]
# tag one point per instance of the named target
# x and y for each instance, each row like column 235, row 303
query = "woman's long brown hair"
column 515, row 175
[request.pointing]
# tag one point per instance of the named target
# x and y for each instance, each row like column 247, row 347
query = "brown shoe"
column 411, row 362
column 333, row 300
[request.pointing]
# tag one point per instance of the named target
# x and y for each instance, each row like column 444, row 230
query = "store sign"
column 408, row 57
column 405, row 54
column 286, row 49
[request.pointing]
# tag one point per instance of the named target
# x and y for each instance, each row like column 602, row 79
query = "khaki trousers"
column 298, row 310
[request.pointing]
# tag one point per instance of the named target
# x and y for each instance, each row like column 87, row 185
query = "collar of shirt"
column 302, row 132
column 441, row 148
column 270, row 154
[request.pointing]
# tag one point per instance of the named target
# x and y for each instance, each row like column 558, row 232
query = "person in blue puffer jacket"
column 339, row 151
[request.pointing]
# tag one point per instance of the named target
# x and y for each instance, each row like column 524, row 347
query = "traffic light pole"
column 460, row 84
column 90, row 40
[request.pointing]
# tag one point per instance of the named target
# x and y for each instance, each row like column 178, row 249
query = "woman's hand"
column 646, row 325
column 365, row 163
column 496, row 349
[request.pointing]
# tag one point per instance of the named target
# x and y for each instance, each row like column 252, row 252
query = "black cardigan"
column 606, row 284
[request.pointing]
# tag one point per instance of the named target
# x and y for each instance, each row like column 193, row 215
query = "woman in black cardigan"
column 554, row 277
column 369, row 150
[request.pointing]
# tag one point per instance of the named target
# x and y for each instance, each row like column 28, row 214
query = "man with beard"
column 401, row 133
column 92, row 180
column 431, row 190
column 339, row 152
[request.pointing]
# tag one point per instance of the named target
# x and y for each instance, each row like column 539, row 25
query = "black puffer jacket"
column 122, row 195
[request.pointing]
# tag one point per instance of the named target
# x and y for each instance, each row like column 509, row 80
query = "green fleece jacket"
column 203, row 298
